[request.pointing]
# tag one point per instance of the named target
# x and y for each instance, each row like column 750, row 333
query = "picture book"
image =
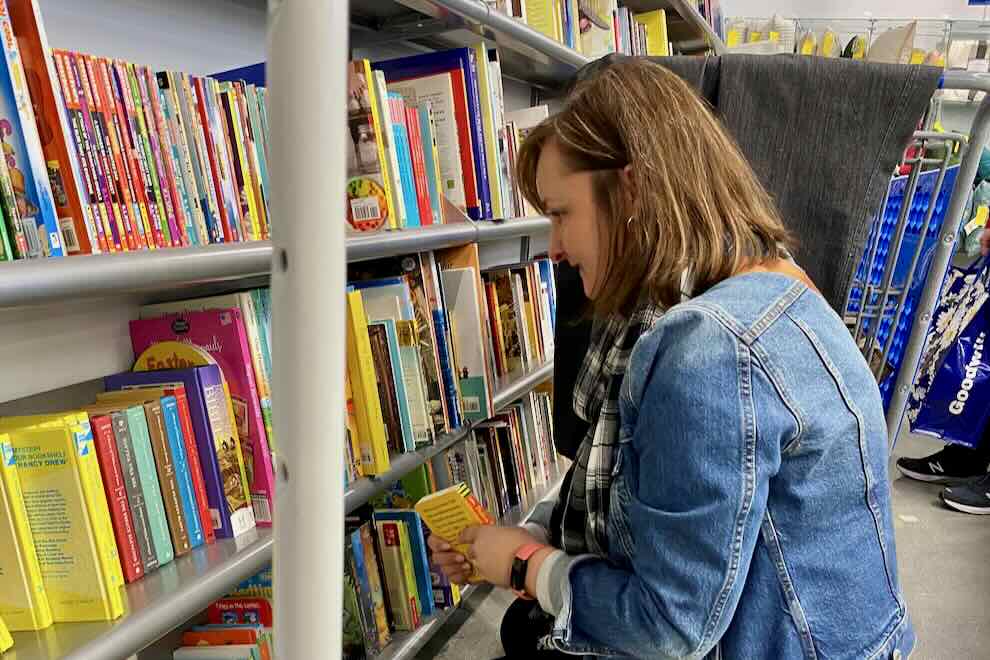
column 355, row 570
column 370, row 200
column 464, row 310
column 216, row 437
column 441, row 329
column 250, row 610
column 254, row 327
column 365, row 387
column 403, row 600
column 23, row 599
column 54, row 486
column 448, row 103
column 54, row 132
column 221, row 334
column 418, row 554
column 353, row 627
column 22, row 151
column 128, row 548
column 450, row 511
column 370, row 578
column 407, row 381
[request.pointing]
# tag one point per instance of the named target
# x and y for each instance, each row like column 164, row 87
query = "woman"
column 731, row 499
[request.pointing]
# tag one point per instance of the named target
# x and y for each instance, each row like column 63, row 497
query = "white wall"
column 194, row 36
column 853, row 8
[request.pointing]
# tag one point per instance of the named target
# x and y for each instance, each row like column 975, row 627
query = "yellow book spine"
column 655, row 23
column 407, row 568
column 25, row 607
column 490, row 130
column 541, row 16
column 6, row 641
column 380, row 129
column 371, row 427
column 352, row 424
column 235, row 114
column 99, row 512
column 531, row 331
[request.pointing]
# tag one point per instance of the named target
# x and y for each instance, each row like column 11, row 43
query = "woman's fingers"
column 438, row 544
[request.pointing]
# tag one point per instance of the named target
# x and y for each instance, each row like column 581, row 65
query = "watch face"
column 517, row 579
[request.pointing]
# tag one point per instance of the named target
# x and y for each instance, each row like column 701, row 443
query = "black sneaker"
column 972, row 497
column 954, row 464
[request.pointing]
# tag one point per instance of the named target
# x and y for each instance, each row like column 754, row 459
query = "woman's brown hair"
column 692, row 204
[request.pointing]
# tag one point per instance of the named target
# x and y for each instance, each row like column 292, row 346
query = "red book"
column 241, row 610
column 423, row 199
column 492, row 297
column 192, row 454
column 200, row 90
column 220, row 637
column 120, row 510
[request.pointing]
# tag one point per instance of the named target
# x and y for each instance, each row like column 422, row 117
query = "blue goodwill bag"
column 951, row 395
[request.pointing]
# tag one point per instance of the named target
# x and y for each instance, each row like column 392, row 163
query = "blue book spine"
column 421, row 562
column 425, row 64
column 407, row 177
column 446, row 371
column 436, row 189
column 547, row 276
column 183, row 477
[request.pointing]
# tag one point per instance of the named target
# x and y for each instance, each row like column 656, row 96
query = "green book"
column 145, row 458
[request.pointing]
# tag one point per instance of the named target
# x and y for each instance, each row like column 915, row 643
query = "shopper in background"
column 961, row 469
column 731, row 497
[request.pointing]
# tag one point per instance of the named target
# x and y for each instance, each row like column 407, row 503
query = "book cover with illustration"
column 22, row 150
column 221, row 334
column 468, row 333
column 370, row 199
column 23, row 599
column 216, row 436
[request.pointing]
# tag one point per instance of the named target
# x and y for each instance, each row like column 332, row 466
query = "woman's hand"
column 452, row 563
column 493, row 549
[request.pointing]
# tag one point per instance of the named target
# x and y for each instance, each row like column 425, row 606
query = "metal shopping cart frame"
column 883, row 303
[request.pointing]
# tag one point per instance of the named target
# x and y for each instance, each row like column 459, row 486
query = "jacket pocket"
column 621, row 542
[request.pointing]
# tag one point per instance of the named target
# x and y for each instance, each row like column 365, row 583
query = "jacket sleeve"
column 692, row 478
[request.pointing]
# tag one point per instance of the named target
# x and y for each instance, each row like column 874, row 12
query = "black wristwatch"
column 517, row 578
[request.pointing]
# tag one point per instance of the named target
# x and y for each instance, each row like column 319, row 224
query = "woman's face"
column 568, row 198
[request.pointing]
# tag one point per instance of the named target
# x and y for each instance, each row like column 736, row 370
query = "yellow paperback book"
column 655, row 23
column 49, row 459
column 6, row 641
column 361, row 367
column 449, row 512
column 23, row 600
column 77, row 422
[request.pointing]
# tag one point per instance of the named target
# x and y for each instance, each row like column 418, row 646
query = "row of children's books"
column 596, row 28
column 428, row 337
column 430, row 130
column 103, row 155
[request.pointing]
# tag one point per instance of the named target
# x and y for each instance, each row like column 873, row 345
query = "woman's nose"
column 557, row 253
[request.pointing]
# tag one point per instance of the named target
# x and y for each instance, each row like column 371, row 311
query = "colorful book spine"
column 135, row 491
column 23, row 599
column 161, row 173
column 431, row 156
column 486, row 100
column 391, row 166
column 407, row 178
column 183, row 477
column 418, row 555
column 192, row 457
column 139, row 153
column 186, row 196
column 230, row 104
column 223, row 207
column 197, row 152
column 360, row 366
column 168, row 169
column 154, row 491
column 120, row 208
column 131, row 561
column 416, row 151
column 54, row 130
column 355, row 566
column 230, row 509
column 22, row 148
column 402, row 602
column 224, row 157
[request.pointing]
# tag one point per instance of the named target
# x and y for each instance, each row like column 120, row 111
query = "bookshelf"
column 169, row 597
column 691, row 27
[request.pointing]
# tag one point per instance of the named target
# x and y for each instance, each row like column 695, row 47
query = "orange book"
column 220, row 637
column 75, row 219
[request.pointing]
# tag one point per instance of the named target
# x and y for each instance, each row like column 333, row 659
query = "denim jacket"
column 750, row 508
